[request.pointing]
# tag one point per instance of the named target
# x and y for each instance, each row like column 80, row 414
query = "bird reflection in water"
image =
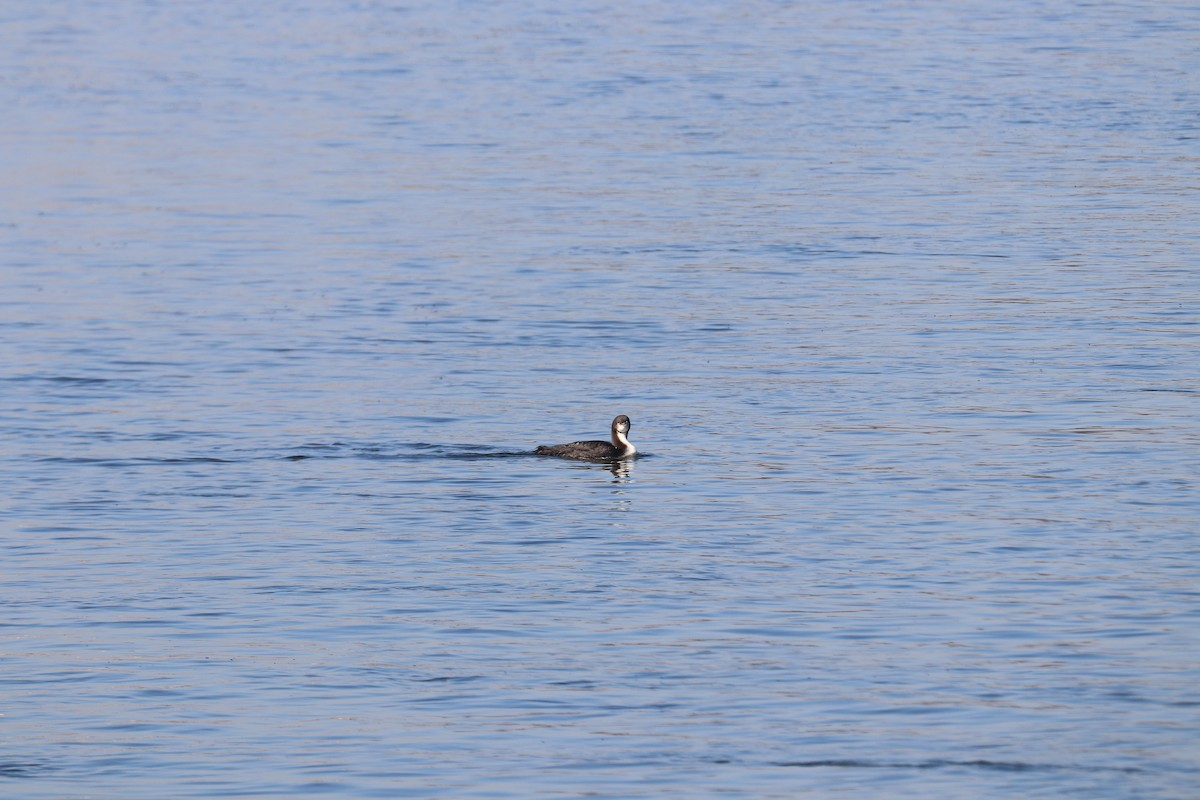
column 621, row 470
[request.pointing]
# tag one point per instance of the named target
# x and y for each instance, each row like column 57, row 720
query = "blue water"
column 902, row 299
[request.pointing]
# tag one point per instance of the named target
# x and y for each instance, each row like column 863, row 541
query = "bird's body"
column 594, row 450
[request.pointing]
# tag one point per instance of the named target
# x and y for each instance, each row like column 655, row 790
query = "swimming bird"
column 595, row 450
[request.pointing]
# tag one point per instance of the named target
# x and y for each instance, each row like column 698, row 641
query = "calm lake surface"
column 902, row 299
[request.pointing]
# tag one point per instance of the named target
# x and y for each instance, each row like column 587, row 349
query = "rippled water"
column 901, row 299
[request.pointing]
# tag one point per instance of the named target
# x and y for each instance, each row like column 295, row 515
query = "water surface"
column 901, row 299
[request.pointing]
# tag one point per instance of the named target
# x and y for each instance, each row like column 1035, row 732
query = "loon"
column 595, row 450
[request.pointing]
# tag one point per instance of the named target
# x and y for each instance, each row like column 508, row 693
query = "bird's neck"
column 621, row 443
